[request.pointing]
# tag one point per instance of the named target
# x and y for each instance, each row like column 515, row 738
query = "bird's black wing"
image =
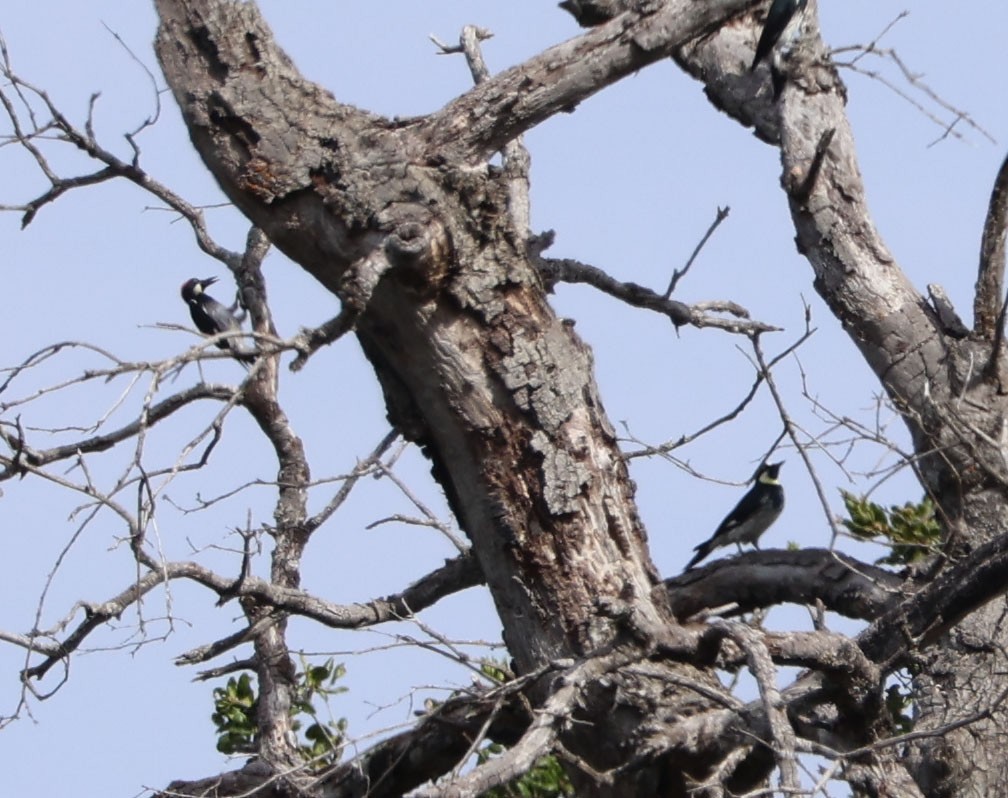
column 746, row 507
column 756, row 500
column 212, row 318
column 777, row 20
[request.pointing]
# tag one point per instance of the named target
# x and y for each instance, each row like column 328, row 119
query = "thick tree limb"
column 937, row 606
column 482, row 121
column 933, row 378
column 412, row 328
column 477, row 369
column 719, row 729
column 989, row 318
column 761, row 579
column 392, row 767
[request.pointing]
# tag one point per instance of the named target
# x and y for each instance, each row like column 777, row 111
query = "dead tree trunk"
column 427, row 247
column 946, row 380
column 416, row 234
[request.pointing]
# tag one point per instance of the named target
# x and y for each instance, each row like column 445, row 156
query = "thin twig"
column 677, row 275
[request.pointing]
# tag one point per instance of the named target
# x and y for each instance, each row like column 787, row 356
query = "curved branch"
column 444, row 735
column 101, row 443
column 761, row 579
column 907, row 616
column 567, row 270
column 390, row 768
column 114, row 168
column 990, row 283
column 455, row 575
column 925, row 371
column 95, row 616
column 921, row 619
column 761, row 667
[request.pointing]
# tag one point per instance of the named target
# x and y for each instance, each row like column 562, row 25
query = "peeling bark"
column 474, row 364
column 954, row 413
column 409, row 226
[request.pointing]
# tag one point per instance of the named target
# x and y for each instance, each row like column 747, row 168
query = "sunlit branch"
column 483, row 120
column 567, row 270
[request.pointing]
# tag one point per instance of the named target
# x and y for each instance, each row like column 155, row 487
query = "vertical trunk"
column 475, row 366
column 413, row 232
column 936, row 378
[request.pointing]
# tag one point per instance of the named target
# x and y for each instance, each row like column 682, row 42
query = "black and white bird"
column 780, row 28
column 752, row 516
column 213, row 318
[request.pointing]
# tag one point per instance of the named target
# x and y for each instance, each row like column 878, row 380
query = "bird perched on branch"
column 213, row 318
column 752, row 516
column 783, row 17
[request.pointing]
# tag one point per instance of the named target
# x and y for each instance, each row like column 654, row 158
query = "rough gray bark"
column 407, row 227
column 411, row 229
column 945, row 386
column 406, row 223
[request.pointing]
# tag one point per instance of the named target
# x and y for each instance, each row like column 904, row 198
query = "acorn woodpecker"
column 783, row 16
column 752, row 516
column 213, row 318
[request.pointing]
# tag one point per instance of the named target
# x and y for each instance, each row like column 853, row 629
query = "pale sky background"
column 629, row 182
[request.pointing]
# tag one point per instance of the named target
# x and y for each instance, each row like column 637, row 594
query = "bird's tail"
column 701, row 551
column 244, row 356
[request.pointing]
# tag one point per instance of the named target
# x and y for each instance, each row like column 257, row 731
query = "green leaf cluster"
column 546, row 779
column 235, row 707
column 912, row 528
column 234, row 716
column 899, row 702
column 496, row 670
column 323, row 740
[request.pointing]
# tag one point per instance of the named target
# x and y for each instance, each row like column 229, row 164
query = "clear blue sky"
column 629, row 182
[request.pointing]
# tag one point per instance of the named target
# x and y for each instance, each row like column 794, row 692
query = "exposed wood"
column 407, row 224
column 990, row 278
column 474, row 364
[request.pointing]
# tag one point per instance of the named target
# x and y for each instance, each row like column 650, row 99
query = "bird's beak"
column 208, row 281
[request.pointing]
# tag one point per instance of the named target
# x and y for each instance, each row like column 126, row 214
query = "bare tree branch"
column 101, row 443
column 566, row 270
column 758, row 579
column 761, row 666
column 482, row 121
column 677, row 275
column 990, row 280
